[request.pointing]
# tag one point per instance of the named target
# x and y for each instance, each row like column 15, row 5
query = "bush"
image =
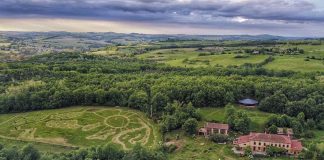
column 275, row 151
column 219, row 138
column 273, row 129
column 241, row 56
column 190, row 126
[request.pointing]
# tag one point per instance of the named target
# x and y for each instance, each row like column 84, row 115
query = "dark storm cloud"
column 167, row 11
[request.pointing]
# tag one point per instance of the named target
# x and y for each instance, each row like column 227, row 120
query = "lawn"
column 80, row 127
column 258, row 118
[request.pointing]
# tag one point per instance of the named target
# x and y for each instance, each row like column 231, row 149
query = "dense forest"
column 60, row 80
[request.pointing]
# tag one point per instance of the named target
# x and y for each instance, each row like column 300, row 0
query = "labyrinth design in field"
column 81, row 127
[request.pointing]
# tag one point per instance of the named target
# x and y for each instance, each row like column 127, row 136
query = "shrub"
column 274, row 151
column 190, row 126
column 241, row 56
column 219, row 138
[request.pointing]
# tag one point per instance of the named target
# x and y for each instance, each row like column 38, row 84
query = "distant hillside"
column 110, row 37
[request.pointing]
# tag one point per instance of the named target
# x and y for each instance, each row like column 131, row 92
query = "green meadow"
column 311, row 61
column 190, row 57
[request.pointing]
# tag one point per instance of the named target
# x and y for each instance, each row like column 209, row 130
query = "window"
column 275, row 145
column 279, row 145
column 264, row 144
column 254, row 143
column 259, row 143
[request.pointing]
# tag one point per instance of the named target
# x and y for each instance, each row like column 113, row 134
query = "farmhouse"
column 211, row 128
column 248, row 102
column 259, row 141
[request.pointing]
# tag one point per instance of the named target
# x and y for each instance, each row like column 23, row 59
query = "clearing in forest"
column 81, row 126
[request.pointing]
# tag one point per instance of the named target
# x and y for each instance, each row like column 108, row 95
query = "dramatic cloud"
column 220, row 14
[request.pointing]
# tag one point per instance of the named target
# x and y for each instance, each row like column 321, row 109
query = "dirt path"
column 8, row 120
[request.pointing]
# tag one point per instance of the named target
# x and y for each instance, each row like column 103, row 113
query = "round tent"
column 248, row 102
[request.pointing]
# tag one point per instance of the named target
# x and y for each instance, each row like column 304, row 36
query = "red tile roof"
column 296, row 145
column 243, row 139
column 272, row 138
column 216, row 125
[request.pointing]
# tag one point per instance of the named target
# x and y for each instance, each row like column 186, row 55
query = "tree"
column 219, row 138
column 30, row 153
column 140, row 153
column 273, row 129
column 138, row 100
column 159, row 101
column 248, row 152
column 109, row 152
column 115, row 97
column 190, row 126
column 238, row 121
column 274, row 104
column 301, row 118
column 297, row 127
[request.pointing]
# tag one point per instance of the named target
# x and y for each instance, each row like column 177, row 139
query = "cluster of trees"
column 300, row 125
column 237, row 121
column 293, row 104
column 177, row 115
column 28, row 152
column 106, row 152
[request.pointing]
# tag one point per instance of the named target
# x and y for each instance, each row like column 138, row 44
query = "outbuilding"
column 248, row 102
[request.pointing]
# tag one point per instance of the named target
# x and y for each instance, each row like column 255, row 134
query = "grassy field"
column 189, row 57
column 193, row 57
column 79, row 127
column 295, row 63
column 258, row 118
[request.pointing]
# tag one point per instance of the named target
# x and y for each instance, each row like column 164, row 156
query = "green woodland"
column 157, row 93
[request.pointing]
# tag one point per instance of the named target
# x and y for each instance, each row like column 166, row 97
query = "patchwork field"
column 80, row 127
column 189, row 57
column 192, row 57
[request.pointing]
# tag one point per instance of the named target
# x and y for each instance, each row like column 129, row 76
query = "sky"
column 208, row 17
